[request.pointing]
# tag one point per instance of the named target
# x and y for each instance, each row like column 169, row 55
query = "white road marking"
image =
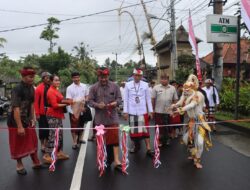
column 77, row 177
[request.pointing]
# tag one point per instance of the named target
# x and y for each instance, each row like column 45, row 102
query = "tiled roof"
column 181, row 37
column 229, row 53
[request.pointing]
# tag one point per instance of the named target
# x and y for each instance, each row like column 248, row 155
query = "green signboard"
column 221, row 28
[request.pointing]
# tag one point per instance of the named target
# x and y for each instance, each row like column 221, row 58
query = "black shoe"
column 150, row 153
column 21, row 172
column 136, row 148
column 43, row 150
column 82, row 141
column 118, row 168
column 92, row 139
column 74, row 147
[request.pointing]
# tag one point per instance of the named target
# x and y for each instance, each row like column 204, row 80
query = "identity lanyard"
column 137, row 99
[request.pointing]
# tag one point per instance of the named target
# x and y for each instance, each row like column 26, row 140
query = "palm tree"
column 2, row 41
column 81, row 51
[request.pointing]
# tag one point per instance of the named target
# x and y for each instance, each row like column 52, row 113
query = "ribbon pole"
column 101, row 149
column 52, row 167
column 156, row 160
column 125, row 161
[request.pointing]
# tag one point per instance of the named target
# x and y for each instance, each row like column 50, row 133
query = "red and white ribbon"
column 156, row 160
column 101, row 149
column 125, row 160
column 52, row 167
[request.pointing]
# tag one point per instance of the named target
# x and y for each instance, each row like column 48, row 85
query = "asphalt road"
column 224, row 168
column 35, row 179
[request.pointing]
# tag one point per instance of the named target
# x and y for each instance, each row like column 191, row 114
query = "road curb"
column 235, row 127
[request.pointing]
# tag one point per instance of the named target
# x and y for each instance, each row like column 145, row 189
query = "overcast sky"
column 100, row 32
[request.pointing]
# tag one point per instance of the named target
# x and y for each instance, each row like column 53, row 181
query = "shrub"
column 227, row 97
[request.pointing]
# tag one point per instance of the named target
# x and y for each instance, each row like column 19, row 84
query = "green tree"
column 50, row 32
column 55, row 61
column 31, row 60
column 186, row 65
column 9, row 69
column 83, row 63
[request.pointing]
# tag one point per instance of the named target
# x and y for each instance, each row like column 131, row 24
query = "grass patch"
column 229, row 116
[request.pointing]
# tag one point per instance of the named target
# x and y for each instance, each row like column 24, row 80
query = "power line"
column 87, row 22
column 36, row 13
column 74, row 18
column 51, row 14
column 165, row 13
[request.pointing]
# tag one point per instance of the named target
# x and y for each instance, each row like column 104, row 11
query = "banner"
column 245, row 12
column 192, row 41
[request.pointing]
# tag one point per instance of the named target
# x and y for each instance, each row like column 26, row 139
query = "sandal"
column 190, row 158
column 39, row 166
column 21, row 171
column 197, row 163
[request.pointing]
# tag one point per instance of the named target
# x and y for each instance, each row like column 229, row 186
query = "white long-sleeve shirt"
column 122, row 92
column 140, row 90
column 209, row 92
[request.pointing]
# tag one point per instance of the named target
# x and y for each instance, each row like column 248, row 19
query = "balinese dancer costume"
column 198, row 131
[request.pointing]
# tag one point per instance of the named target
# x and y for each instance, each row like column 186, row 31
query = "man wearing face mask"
column 41, row 106
column 137, row 108
column 105, row 97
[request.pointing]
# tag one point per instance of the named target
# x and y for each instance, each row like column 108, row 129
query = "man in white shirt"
column 163, row 96
column 78, row 92
column 122, row 88
column 213, row 99
column 151, row 86
column 137, row 108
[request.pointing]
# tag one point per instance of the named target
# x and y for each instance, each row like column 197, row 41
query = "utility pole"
column 116, row 55
column 116, row 67
column 143, row 61
column 217, row 72
column 153, row 41
column 174, row 59
column 237, row 90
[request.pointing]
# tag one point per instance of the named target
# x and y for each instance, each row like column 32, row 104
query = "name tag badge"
column 159, row 92
column 137, row 100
